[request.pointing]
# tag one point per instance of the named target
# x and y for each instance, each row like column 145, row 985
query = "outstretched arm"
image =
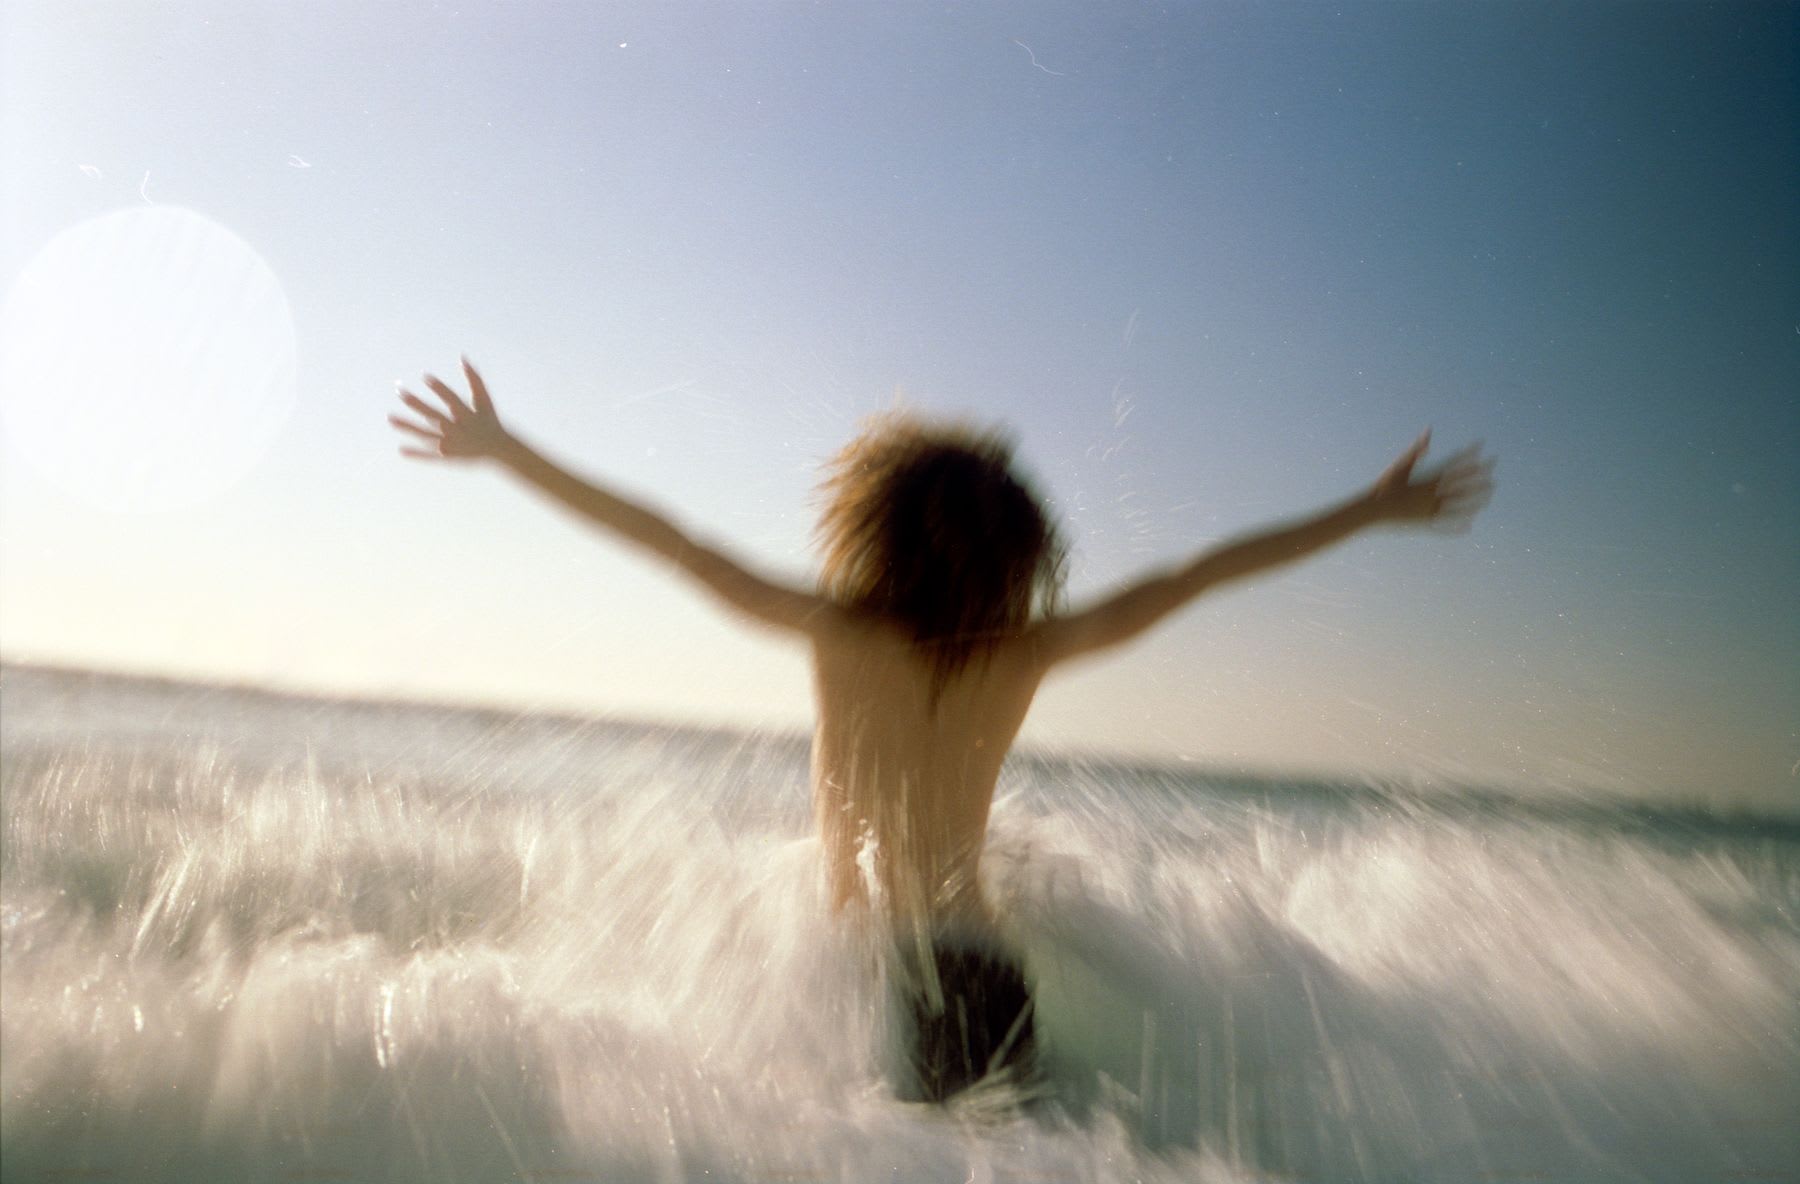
column 1447, row 497
column 470, row 431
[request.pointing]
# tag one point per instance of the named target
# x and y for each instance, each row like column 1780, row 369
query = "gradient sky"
column 1213, row 264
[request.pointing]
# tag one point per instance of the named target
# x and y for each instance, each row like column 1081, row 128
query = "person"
column 933, row 624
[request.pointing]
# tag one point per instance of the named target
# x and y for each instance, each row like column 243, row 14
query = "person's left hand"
column 461, row 431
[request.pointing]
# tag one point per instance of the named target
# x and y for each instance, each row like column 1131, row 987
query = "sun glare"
column 147, row 360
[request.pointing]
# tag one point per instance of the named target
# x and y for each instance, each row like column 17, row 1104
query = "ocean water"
column 248, row 937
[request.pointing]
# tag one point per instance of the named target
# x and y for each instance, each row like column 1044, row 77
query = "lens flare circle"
column 147, row 360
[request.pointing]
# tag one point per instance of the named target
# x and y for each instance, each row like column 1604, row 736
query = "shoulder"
column 1042, row 643
column 837, row 628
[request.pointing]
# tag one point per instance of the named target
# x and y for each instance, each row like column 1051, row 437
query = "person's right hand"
column 1448, row 496
column 460, row 431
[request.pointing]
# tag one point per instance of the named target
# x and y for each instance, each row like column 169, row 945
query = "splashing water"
column 252, row 938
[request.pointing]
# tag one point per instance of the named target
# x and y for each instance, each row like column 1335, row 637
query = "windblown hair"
column 926, row 525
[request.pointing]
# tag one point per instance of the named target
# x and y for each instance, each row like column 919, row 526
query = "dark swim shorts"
column 983, row 1026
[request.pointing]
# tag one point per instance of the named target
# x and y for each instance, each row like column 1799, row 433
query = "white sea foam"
column 253, row 939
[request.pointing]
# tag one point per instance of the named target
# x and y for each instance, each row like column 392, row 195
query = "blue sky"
column 1213, row 264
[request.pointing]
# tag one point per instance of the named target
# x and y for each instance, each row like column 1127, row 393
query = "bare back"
column 902, row 778
column 902, row 785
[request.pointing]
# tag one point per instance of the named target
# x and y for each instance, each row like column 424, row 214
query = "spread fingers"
column 451, row 399
column 431, row 414
column 407, row 425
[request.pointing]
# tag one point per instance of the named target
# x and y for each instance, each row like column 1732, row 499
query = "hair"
column 927, row 526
